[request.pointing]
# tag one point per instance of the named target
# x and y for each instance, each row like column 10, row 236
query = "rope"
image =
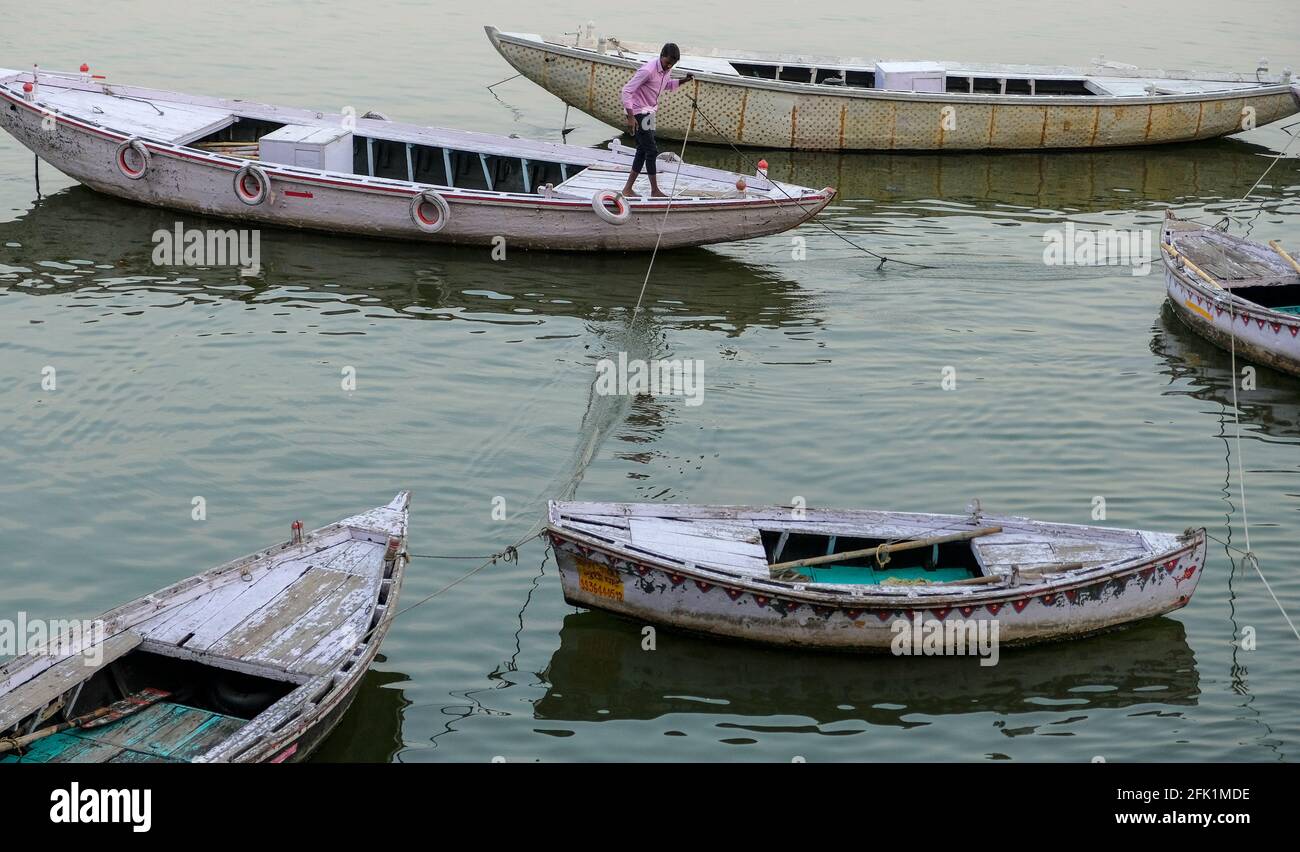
column 1247, row 555
column 510, row 554
column 672, row 193
column 506, row 80
column 1226, row 218
column 883, row 259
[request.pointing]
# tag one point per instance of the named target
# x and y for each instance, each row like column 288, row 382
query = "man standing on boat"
column 641, row 100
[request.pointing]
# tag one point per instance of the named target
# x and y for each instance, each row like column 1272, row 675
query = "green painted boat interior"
column 936, row 563
column 161, row 733
column 868, row 576
column 1288, row 309
column 205, row 704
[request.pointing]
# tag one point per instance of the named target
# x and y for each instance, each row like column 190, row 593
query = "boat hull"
column 778, row 115
column 1256, row 334
column 672, row 596
column 191, row 181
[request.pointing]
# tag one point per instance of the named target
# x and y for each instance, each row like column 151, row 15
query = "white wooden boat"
column 744, row 573
column 258, row 658
column 297, row 168
column 798, row 101
column 1234, row 292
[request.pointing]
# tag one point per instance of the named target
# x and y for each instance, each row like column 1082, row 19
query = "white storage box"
column 911, row 76
column 328, row 148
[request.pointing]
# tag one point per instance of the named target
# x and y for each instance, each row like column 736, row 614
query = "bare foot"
column 658, row 195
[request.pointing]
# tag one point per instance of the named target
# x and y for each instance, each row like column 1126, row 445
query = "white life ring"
column 252, row 185
column 132, row 148
column 430, row 211
column 622, row 210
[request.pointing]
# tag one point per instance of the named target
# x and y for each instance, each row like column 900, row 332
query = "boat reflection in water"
column 1199, row 369
column 371, row 731
column 601, row 673
column 55, row 246
column 1078, row 181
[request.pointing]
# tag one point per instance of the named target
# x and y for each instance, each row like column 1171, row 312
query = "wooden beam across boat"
column 1273, row 244
column 911, row 544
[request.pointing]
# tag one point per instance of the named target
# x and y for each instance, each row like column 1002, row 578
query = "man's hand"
column 688, row 78
column 631, row 124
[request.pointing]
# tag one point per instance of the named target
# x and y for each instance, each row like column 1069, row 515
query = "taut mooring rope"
column 812, row 218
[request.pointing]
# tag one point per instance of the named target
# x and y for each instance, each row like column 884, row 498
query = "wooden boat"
column 257, row 659
column 1234, row 292
column 297, row 168
column 795, row 101
column 823, row 581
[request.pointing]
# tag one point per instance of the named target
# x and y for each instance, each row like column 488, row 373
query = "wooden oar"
column 910, row 544
column 1289, row 259
column 128, row 706
column 1207, row 278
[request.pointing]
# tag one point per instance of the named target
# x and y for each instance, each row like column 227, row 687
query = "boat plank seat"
column 64, row 675
column 681, row 541
column 999, row 554
column 163, row 732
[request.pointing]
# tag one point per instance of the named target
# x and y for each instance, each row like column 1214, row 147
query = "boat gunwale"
column 822, row 89
column 841, row 594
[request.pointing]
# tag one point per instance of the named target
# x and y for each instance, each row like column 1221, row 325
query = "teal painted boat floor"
column 868, row 576
column 161, row 733
column 1289, row 309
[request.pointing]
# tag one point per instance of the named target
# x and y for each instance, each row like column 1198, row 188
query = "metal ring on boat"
column 608, row 196
column 136, row 147
column 430, row 211
column 252, row 185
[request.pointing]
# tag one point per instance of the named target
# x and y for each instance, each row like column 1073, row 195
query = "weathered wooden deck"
column 1232, row 261
column 730, row 538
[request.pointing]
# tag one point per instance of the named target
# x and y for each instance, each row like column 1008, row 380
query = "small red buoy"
column 762, row 168
column 740, row 184
column 297, row 532
column 28, row 89
column 85, row 68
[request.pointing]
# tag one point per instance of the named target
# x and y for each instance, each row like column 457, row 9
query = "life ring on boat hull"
column 132, row 158
column 622, row 210
column 430, row 211
column 252, row 185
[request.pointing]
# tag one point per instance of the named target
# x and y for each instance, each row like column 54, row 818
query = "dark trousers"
column 646, row 150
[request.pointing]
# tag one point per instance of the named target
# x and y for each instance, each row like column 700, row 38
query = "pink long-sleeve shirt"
column 641, row 94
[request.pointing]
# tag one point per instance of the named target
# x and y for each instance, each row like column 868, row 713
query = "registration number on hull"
column 599, row 580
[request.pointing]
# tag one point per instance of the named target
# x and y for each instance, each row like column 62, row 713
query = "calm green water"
column 822, row 380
